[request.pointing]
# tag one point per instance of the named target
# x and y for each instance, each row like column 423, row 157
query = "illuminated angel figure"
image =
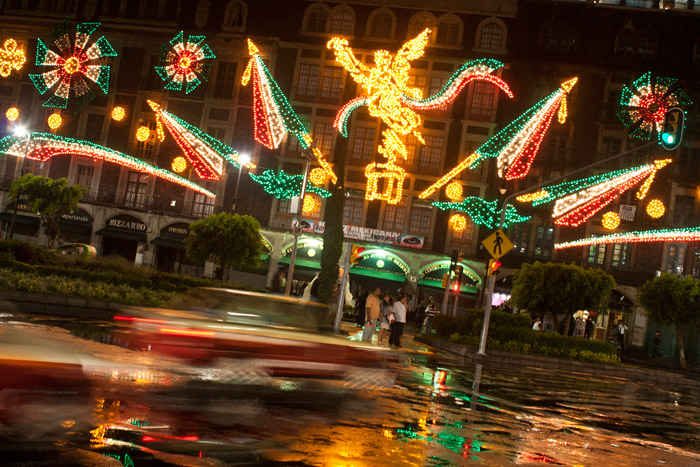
column 183, row 62
column 643, row 106
column 390, row 98
column 72, row 65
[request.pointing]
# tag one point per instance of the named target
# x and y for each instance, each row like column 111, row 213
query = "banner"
column 363, row 234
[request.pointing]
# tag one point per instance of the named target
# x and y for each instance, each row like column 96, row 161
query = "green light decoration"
column 646, row 236
column 185, row 61
column 644, row 105
column 484, row 212
column 72, row 65
column 43, row 146
column 284, row 186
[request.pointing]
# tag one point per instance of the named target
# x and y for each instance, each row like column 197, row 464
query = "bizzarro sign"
column 124, row 222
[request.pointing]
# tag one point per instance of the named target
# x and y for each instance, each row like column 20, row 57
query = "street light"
column 243, row 160
column 21, row 132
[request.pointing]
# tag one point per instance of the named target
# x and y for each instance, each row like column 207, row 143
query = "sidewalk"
column 408, row 343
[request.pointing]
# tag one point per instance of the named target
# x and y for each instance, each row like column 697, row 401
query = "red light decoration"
column 647, row 236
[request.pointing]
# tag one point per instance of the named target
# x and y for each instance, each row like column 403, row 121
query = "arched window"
column 419, row 22
column 647, row 41
column 317, row 19
column 448, row 32
column 172, row 8
column 235, row 15
column 381, row 26
column 151, row 10
column 625, row 43
column 342, row 21
column 491, row 37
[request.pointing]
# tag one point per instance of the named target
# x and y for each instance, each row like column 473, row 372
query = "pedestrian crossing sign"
column 498, row 244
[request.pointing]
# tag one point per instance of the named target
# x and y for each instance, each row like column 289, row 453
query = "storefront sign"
column 382, row 262
column 436, row 271
column 179, row 230
column 126, row 223
column 79, row 216
column 363, row 234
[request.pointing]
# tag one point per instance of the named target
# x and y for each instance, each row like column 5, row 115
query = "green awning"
column 438, row 285
column 378, row 274
column 21, row 218
column 304, row 263
column 169, row 242
column 122, row 235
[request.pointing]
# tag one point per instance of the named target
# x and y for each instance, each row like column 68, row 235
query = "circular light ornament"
column 118, row 113
column 54, row 121
column 656, row 209
column 12, row 114
column 143, row 133
column 380, row 263
column 179, row 164
column 318, row 176
column 310, row 204
column 454, row 191
column 458, row 222
column 311, row 252
column 71, row 65
column 611, row 220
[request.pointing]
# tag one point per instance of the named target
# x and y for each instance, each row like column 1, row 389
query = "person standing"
column 372, row 311
column 621, row 331
column 419, row 316
column 360, row 307
column 430, row 312
column 538, row 324
column 400, row 310
column 384, row 321
column 657, row 343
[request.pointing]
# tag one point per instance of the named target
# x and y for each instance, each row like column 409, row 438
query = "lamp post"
column 20, row 131
column 243, row 160
column 490, row 280
column 297, row 228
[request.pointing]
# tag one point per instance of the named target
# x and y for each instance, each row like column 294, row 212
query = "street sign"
column 497, row 244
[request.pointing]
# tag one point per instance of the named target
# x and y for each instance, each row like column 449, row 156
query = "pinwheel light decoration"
column 72, row 65
column 643, row 106
column 185, row 62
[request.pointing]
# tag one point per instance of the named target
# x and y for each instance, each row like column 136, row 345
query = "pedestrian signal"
column 493, row 267
column 356, row 253
column 672, row 131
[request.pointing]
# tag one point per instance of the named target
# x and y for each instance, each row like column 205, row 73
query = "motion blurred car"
column 253, row 337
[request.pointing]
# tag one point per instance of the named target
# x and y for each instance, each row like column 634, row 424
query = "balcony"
column 635, row 278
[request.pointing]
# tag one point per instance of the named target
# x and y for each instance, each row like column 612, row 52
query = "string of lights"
column 284, row 186
column 484, row 212
column 11, row 58
column 647, row 236
column 185, row 61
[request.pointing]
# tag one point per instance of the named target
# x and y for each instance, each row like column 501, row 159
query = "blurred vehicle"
column 252, row 337
column 82, row 250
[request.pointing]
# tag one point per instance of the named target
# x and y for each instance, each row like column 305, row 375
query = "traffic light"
column 458, row 273
column 494, row 264
column 672, row 131
column 455, row 260
column 356, row 253
column 445, row 279
column 455, row 287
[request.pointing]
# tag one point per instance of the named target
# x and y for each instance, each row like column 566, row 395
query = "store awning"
column 169, row 242
column 122, row 235
column 75, row 227
column 305, row 263
column 378, row 274
column 438, row 285
column 21, row 218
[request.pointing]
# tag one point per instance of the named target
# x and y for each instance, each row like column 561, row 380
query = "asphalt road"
column 138, row 408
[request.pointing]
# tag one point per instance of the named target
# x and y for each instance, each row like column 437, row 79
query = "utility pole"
column 297, row 228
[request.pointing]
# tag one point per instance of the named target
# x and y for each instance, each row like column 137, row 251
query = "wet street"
column 141, row 409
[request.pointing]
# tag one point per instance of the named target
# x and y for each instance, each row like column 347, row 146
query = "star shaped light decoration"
column 73, row 63
column 185, row 62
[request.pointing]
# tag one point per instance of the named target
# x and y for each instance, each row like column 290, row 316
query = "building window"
column 136, row 186
column 308, row 80
column 544, row 239
column 520, row 236
column 482, row 101
column 93, row 127
column 448, row 32
column 85, row 174
column 381, row 25
column 463, row 238
column 688, row 164
column 153, row 81
column 625, row 43
column 430, row 160
column 419, row 23
column 683, row 210
column 418, row 82
column 235, row 15
column 491, row 37
column 411, row 143
column 284, row 205
column 596, row 255
column 352, row 211
column 316, row 20
column 225, row 80
column 323, row 137
column 610, row 147
column 421, row 219
column 696, row 263
column 395, row 215
column 621, row 256
column 363, row 144
column 332, row 84
column 436, row 85
column 675, row 263
column 341, row 22
column 202, row 206
column 557, row 37
column 144, row 149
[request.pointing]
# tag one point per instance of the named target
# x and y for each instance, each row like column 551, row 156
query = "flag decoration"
column 484, row 212
column 44, row 146
column 11, row 58
column 273, row 114
column 390, row 98
column 646, row 236
column 185, row 61
column 72, row 65
column 205, row 153
column 284, row 186
column 578, row 200
column 644, row 104
column 516, row 146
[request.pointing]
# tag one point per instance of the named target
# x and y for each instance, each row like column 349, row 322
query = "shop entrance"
column 119, row 247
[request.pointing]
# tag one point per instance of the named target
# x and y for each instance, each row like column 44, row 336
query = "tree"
column 227, row 239
column 669, row 299
column 49, row 198
column 561, row 289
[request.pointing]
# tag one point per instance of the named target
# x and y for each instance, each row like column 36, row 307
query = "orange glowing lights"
column 12, row 114
column 11, row 58
column 311, row 204
column 454, row 191
column 318, row 176
column 54, row 121
column 611, row 220
column 458, row 222
column 179, row 164
column 143, row 133
column 118, row 114
column 656, row 209
column 71, row 66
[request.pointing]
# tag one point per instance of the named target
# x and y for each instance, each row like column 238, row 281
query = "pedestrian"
column 621, row 331
column 589, row 327
column 657, row 343
column 538, row 324
column 400, row 310
column 282, row 281
column 430, row 312
column 386, row 317
column 419, row 316
column 360, row 307
column 372, row 311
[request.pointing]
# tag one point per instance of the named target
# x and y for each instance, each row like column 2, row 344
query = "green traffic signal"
column 672, row 129
column 668, row 138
